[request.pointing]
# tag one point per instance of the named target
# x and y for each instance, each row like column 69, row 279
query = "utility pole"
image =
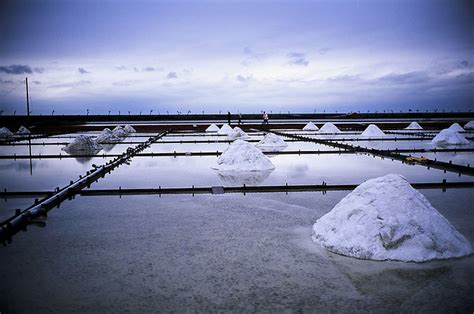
column 27, row 99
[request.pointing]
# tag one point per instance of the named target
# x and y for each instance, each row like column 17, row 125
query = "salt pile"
column 129, row 129
column 242, row 156
column 23, row 131
column 82, row 144
column 386, row 219
column 310, row 127
column 238, row 178
column 225, row 130
column 108, row 136
column 329, row 128
column 469, row 125
column 449, row 137
column 414, row 126
column 119, row 131
column 271, row 142
column 212, row 128
column 456, row 127
column 373, row 131
column 238, row 133
column 5, row 133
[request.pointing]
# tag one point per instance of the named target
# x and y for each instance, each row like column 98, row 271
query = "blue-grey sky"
column 236, row 55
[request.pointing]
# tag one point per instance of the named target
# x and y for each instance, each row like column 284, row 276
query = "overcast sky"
column 236, row 55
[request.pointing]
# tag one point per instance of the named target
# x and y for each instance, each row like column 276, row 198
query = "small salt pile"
column 108, row 136
column 242, row 156
column 5, row 133
column 238, row 133
column 329, row 127
column 414, row 126
column 373, row 131
column 82, row 144
column 23, row 131
column 456, row 127
column 310, row 127
column 449, row 137
column 271, row 142
column 129, row 129
column 469, row 125
column 387, row 219
column 225, row 130
column 119, row 131
column 212, row 128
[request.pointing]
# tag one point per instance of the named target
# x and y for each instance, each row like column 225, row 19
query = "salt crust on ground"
column 469, row 125
column 387, row 219
column 329, row 127
column 449, row 137
column 23, row 131
column 310, row 127
column 414, row 126
column 225, row 130
column 272, row 141
column 108, row 136
column 456, row 127
column 243, row 156
column 5, row 133
column 212, row 128
column 238, row 133
column 129, row 129
column 373, row 130
column 82, row 144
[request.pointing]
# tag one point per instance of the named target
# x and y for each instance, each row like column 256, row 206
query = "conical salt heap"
column 82, row 144
column 225, row 130
column 23, row 131
column 129, row 129
column 310, row 127
column 469, row 125
column 414, row 126
column 212, row 128
column 5, row 133
column 449, row 137
column 272, row 142
column 243, row 156
column 119, row 131
column 387, row 219
column 373, row 131
column 456, row 127
column 238, row 133
column 329, row 127
column 108, row 136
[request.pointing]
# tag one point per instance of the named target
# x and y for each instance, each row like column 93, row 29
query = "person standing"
column 228, row 117
column 239, row 115
column 265, row 118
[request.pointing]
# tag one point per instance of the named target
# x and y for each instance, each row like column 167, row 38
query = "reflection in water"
column 108, row 147
column 243, row 177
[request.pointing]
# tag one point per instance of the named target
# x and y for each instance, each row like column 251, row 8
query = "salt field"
column 175, row 227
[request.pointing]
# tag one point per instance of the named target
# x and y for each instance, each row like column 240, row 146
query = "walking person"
column 240, row 118
column 228, row 117
column 265, row 118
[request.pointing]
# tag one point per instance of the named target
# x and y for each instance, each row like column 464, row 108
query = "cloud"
column 323, row 51
column 405, row 78
column 37, row 82
column 243, row 79
column 149, row 69
column 121, row 68
column 38, row 70
column 71, row 84
column 82, row 71
column 16, row 69
column 172, row 75
column 297, row 58
column 7, row 82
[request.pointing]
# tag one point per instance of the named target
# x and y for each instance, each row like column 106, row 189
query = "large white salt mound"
column 238, row 133
column 212, row 128
column 82, row 144
column 386, row 219
column 225, row 130
column 271, row 141
column 469, row 125
column 119, row 131
column 456, row 127
column 108, row 136
column 449, row 137
column 329, row 127
column 129, row 129
column 373, row 130
column 23, row 131
column 414, row 126
column 243, row 156
column 310, row 127
column 5, row 133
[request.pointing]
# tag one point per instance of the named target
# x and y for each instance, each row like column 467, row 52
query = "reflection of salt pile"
column 386, row 219
column 414, row 126
column 272, row 142
column 242, row 156
column 373, row 131
column 212, row 128
column 456, row 127
column 5, row 133
column 329, row 128
column 449, row 137
column 243, row 177
column 238, row 133
column 119, row 131
column 469, row 125
column 23, row 131
column 82, row 144
column 108, row 136
column 310, row 127
column 129, row 129
column 225, row 130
